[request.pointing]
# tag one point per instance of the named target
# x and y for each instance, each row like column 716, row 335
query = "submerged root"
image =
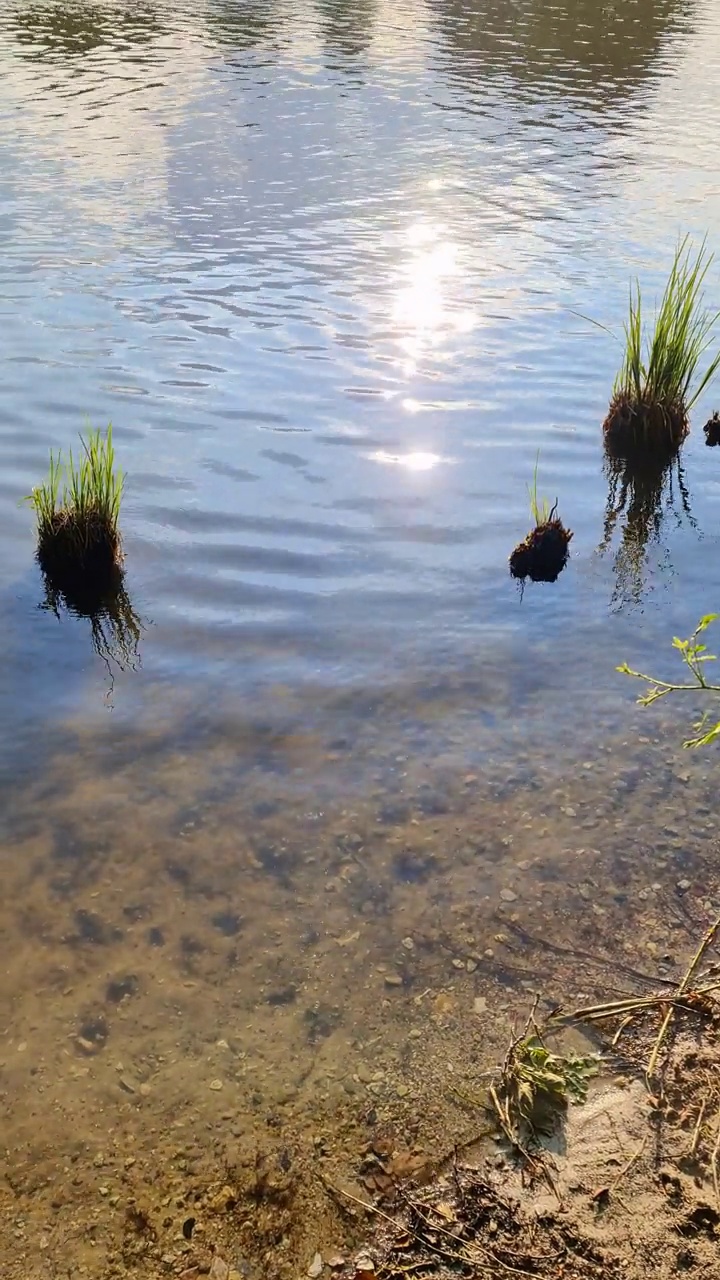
column 636, row 425
column 543, row 554
column 79, row 554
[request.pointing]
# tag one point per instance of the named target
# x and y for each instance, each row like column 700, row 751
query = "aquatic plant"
column 77, row 509
column 694, row 655
column 543, row 554
column 539, row 507
column 660, row 377
column 712, row 430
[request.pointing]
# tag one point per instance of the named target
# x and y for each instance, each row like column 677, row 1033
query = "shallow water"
column 331, row 272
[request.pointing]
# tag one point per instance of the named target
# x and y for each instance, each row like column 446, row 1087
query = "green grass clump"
column 660, row 377
column 77, row 510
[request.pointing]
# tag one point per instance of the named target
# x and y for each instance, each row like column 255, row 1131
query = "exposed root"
column 543, row 554
column 639, row 425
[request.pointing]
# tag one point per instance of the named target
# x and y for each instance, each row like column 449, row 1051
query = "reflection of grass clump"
column 77, row 510
column 660, row 378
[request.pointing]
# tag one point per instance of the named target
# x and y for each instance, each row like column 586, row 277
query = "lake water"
column 331, row 271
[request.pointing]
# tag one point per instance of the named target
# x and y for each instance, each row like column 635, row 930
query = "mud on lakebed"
column 222, row 983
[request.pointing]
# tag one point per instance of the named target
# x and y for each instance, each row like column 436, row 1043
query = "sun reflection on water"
column 425, row 310
column 415, row 460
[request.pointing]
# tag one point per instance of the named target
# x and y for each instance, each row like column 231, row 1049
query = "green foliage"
column 540, row 508
column 84, row 494
column 537, row 1076
column 661, row 369
column 694, row 654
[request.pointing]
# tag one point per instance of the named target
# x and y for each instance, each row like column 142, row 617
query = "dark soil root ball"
column 81, row 562
column 633, row 426
column 543, row 554
column 712, row 430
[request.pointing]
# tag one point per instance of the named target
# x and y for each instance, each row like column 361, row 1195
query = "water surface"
column 331, row 271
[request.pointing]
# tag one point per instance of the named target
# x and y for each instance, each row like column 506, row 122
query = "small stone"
column 364, row 1264
column 393, row 980
column 364, row 1074
column 683, row 885
column 479, row 1004
column 569, row 811
column 216, row 1085
column 507, row 895
column 336, row 1261
column 145, row 1090
column 415, row 1034
column 471, row 965
column 219, row 1269
column 458, row 964
column 316, row 1266
column 402, row 1090
column 408, row 944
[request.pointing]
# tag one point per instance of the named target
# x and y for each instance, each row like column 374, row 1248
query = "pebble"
column 316, row 1266
column 471, row 965
column 393, row 980
column 408, row 944
column 479, row 1004
column 683, row 885
column 507, row 895
column 219, row 1269
column 458, row 964
column 402, row 1090
column 364, row 1074
column 415, row 1034
column 216, row 1085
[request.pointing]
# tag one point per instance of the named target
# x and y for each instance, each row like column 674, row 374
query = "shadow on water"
column 574, row 46
column 241, row 25
column 71, row 30
column 643, row 490
column 115, row 627
column 346, row 28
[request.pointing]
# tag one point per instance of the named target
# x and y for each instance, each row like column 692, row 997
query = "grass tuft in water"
column 543, row 554
column 661, row 377
column 77, row 509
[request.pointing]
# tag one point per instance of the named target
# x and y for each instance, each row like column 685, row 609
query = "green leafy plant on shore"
column 536, row 1084
column 660, row 377
column 694, row 654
